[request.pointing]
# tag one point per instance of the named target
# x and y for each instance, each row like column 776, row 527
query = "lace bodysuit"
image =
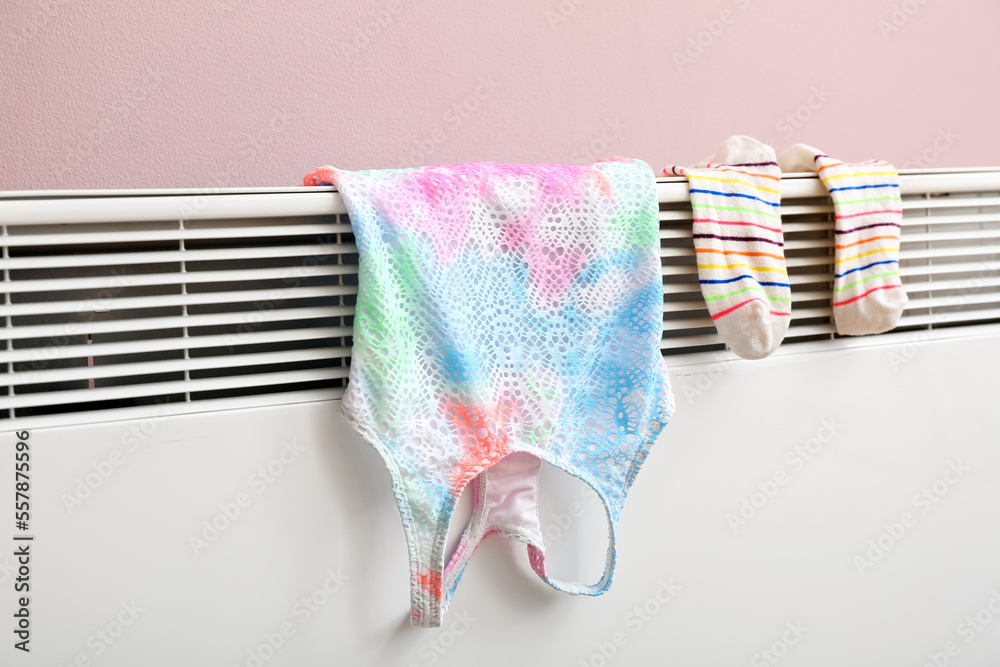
column 506, row 315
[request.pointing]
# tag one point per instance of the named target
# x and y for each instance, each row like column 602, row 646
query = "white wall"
column 332, row 510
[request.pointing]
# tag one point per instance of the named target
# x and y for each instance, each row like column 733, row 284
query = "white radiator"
column 176, row 358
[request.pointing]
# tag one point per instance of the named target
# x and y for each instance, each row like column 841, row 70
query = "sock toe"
column 872, row 315
column 756, row 333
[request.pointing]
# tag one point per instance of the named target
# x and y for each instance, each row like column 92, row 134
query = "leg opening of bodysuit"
column 576, row 530
column 503, row 501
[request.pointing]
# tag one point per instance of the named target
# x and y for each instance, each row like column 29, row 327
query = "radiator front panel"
column 212, row 528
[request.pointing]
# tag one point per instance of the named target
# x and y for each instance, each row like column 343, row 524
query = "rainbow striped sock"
column 739, row 246
column 868, row 296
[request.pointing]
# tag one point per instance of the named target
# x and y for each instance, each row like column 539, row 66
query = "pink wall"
column 203, row 93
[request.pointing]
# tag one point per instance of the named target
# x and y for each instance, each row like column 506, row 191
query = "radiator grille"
column 185, row 301
column 104, row 315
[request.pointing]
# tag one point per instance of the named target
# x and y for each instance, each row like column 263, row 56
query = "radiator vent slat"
column 155, row 367
column 37, row 357
column 251, row 319
column 114, row 301
column 963, row 317
column 145, row 236
column 168, row 256
column 980, row 267
column 164, row 301
column 99, row 283
column 130, row 391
